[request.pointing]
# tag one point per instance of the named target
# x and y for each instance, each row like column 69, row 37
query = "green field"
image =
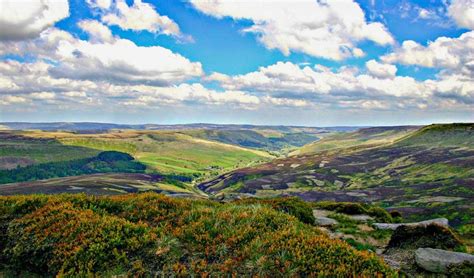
column 163, row 152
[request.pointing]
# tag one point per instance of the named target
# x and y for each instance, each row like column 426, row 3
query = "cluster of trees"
column 104, row 162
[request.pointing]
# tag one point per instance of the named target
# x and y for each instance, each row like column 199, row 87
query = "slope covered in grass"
column 165, row 152
column 426, row 174
column 146, row 234
column 363, row 138
column 272, row 140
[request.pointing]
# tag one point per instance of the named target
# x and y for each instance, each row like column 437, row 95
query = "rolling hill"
column 422, row 173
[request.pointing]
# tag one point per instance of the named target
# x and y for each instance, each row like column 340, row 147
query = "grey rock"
column 361, row 217
column 437, row 260
column 393, row 226
column 325, row 221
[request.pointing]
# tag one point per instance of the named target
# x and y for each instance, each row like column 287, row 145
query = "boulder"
column 325, row 221
column 393, row 226
column 361, row 217
column 437, row 260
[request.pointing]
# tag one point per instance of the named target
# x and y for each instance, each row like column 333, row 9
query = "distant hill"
column 91, row 126
column 363, row 138
column 422, row 172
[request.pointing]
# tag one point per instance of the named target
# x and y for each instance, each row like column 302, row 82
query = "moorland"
column 242, row 199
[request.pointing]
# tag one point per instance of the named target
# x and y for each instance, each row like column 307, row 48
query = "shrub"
column 146, row 234
column 350, row 208
column 59, row 238
column 343, row 207
column 291, row 205
column 380, row 214
column 431, row 236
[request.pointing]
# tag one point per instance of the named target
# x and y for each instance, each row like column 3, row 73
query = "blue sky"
column 334, row 62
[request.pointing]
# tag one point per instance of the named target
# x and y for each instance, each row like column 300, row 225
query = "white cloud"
column 443, row 52
column 105, row 58
column 20, row 19
column 96, row 30
column 381, row 70
column 462, row 11
column 329, row 29
column 137, row 17
column 346, row 87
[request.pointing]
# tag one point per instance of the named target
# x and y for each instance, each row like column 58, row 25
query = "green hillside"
column 442, row 135
column 176, row 155
column 363, row 138
column 272, row 140
column 428, row 173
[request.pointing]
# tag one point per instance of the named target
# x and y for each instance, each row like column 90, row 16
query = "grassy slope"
column 165, row 152
column 40, row 150
column 271, row 140
column 364, row 138
column 428, row 173
column 143, row 235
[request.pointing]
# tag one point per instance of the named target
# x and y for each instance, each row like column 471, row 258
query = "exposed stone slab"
column 437, row 260
column 393, row 226
column 325, row 221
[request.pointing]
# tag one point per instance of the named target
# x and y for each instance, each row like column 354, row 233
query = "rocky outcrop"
column 438, row 261
column 325, row 221
column 393, row 226
column 361, row 217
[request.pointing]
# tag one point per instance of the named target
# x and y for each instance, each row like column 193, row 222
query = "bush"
column 146, row 234
column 291, row 205
column 378, row 213
column 343, row 207
column 431, row 236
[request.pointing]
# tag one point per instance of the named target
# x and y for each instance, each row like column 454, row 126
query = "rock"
column 392, row 226
column 321, row 212
column 437, row 260
column 361, row 217
column 325, row 221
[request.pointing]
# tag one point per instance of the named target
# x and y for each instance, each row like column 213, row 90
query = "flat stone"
column 361, row 217
column 393, row 226
column 437, row 260
column 321, row 212
column 325, row 221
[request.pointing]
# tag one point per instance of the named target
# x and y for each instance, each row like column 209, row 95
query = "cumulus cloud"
column 346, row 87
column 106, row 58
column 97, row 31
column 21, row 19
column 329, row 29
column 137, row 17
column 381, row 70
column 462, row 11
column 444, row 52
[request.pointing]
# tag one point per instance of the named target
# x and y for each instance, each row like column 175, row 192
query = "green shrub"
column 431, row 236
column 291, row 205
column 343, row 207
column 380, row 214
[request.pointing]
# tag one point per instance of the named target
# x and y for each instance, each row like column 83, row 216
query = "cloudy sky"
column 300, row 62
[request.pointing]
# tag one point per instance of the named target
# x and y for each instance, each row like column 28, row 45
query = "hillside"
column 272, row 140
column 142, row 235
column 363, row 138
column 411, row 175
column 178, row 156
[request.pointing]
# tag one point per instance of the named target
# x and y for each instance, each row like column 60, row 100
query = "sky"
column 279, row 62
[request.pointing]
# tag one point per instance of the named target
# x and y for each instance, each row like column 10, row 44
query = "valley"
column 342, row 180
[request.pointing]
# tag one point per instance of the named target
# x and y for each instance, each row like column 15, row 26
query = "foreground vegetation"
column 150, row 234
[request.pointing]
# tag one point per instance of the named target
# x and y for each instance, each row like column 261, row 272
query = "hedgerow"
column 151, row 234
